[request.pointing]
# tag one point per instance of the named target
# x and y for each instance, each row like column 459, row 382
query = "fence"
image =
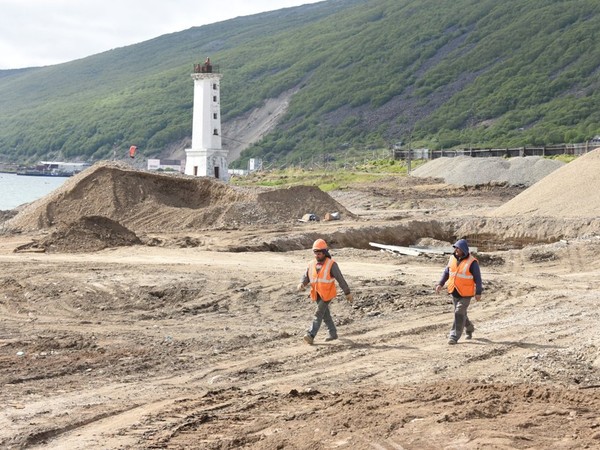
column 326, row 161
column 547, row 150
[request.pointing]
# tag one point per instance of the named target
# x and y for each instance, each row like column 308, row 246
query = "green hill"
column 365, row 74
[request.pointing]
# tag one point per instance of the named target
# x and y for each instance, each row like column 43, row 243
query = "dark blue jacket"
column 475, row 270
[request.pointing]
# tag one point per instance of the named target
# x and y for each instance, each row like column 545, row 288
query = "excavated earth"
column 152, row 311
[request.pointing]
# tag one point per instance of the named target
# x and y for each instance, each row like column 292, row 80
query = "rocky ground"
column 189, row 340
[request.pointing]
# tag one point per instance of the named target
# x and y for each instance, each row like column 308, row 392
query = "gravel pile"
column 468, row 171
column 573, row 191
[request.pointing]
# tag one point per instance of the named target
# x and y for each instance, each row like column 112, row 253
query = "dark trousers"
column 322, row 314
column 461, row 319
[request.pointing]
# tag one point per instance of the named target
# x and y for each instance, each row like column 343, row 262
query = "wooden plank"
column 415, row 250
column 435, row 251
column 440, row 250
column 396, row 248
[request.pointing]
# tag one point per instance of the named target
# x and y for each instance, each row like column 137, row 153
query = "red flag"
column 132, row 150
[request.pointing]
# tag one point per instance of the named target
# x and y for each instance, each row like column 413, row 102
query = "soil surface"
column 132, row 320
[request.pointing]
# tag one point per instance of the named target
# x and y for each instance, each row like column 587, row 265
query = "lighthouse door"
column 216, row 172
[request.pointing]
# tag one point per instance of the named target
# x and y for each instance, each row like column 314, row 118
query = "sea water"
column 18, row 189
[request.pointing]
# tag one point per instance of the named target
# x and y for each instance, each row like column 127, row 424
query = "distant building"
column 255, row 164
column 168, row 165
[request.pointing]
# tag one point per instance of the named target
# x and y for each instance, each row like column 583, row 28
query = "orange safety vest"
column 461, row 277
column 321, row 283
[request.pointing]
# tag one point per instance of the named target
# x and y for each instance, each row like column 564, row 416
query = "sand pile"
column 150, row 202
column 88, row 234
column 468, row 171
column 573, row 191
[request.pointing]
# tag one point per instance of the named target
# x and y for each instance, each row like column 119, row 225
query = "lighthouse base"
column 207, row 163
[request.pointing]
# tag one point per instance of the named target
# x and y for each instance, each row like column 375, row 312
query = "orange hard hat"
column 319, row 244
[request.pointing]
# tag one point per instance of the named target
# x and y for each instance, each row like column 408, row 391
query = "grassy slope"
column 370, row 72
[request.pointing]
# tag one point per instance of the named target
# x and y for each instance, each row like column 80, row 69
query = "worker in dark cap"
column 464, row 282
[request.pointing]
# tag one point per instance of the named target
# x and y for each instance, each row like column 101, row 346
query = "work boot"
column 309, row 339
column 331, row 338
column 452, row 341
column 469, row 334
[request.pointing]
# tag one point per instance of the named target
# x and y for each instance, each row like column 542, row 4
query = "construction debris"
column 396, row 249
column 309, row 218
column 414, row 250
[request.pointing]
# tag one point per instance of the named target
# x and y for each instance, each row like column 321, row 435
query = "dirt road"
column 166, row 347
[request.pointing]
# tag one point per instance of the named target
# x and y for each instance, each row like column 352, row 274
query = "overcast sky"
column 44, row 32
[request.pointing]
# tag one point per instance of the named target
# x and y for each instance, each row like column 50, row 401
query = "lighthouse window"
column 214, row 98
column 216, row 132
column 215, row 86
column 214, row 115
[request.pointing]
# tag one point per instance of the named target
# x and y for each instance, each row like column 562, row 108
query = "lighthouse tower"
column 206, row 158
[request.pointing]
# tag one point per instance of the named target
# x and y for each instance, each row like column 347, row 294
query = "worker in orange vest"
column 321, row 274
column 464, row 282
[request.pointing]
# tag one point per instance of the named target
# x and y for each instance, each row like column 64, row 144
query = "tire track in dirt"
column 216, row 376
column 391, row 350
column 372, row 338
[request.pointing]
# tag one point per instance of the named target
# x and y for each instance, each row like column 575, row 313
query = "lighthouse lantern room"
column 206, row 158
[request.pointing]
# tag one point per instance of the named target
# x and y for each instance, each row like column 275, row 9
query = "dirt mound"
column 573, row 191
column 468, row 171
column 88, row 234
column 150, row 202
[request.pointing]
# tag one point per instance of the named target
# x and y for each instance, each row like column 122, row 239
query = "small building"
column 165, row 165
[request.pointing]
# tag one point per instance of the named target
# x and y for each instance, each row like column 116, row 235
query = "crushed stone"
column 469, row 171
column 573, row 191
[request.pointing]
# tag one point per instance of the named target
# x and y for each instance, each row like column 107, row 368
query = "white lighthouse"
column 206, row 158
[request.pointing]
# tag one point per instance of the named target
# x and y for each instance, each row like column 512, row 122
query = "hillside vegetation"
column 366, row 74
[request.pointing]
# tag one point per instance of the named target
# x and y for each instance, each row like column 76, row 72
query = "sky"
column 46, row 32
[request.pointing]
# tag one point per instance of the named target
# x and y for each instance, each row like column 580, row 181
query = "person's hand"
column 300, row 287
column 438, row 288
column 478, row 297
column 349, row 297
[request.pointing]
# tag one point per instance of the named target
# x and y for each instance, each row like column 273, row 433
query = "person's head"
column 320, row 250
column 461, row 248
